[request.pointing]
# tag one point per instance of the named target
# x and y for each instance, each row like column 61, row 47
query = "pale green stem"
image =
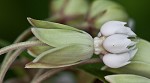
column 47, row 74
column 20, row 45
column 39, row 72
column 55, row 71
column 22, row 37
column 8, row 63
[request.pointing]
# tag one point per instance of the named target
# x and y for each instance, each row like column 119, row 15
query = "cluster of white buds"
column 117, row 42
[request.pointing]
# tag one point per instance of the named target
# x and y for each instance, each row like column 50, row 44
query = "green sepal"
column 62, row 56
column 50, row 25
column 62, row 37
column 36, row 50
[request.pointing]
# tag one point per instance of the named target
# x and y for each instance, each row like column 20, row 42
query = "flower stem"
column 8, row 63
column 22, row 37
column 20, row 45
column 3, row 69
column 39, row 72
column 57, row 70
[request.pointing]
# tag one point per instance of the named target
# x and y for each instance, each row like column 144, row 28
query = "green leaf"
column 62, row 56
column 61, row 37
column 127, row 78
column 50, row 25
column 135, row 67
column 143, row 53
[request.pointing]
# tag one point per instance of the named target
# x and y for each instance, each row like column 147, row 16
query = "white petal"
column 132, row 43
column 117, row 43
column 130, row 32
column 116, row 60
column 116, row 27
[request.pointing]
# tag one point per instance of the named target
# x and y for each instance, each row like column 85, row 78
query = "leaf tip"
column 30, row 65
column 26, row 66
column 104, row 68
column 30, row 20
column 108, row 78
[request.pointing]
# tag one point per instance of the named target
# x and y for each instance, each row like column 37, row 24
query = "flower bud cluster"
column 117, row 42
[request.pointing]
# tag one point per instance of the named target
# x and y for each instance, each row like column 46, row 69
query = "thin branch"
column 48, row 74
column 55, row 71
column 4, row 66
column 8, row 63
column 20, row 45
column 39, row 72
column 22, row 37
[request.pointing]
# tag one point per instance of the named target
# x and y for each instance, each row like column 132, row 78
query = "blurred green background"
column 13, row 15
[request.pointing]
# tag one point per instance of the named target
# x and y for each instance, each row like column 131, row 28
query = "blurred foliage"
column 140, row 12
column 13, row 15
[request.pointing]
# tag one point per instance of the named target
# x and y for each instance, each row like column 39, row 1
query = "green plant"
column 65, row 42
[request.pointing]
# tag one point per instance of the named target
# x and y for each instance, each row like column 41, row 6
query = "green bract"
column 126, row 78
column 65, row 45
column 106, row 10
column 140, row 64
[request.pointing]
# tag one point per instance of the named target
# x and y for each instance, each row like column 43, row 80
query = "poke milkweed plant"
column 93, row 37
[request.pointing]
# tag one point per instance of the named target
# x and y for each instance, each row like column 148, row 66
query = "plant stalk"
column 57, row 70
column 20, row 45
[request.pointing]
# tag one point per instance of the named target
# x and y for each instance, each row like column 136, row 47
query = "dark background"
column 13, row 15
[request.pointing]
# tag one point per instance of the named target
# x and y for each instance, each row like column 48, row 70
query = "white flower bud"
column 116, row 60
column 118, row 43
column 116, row 27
